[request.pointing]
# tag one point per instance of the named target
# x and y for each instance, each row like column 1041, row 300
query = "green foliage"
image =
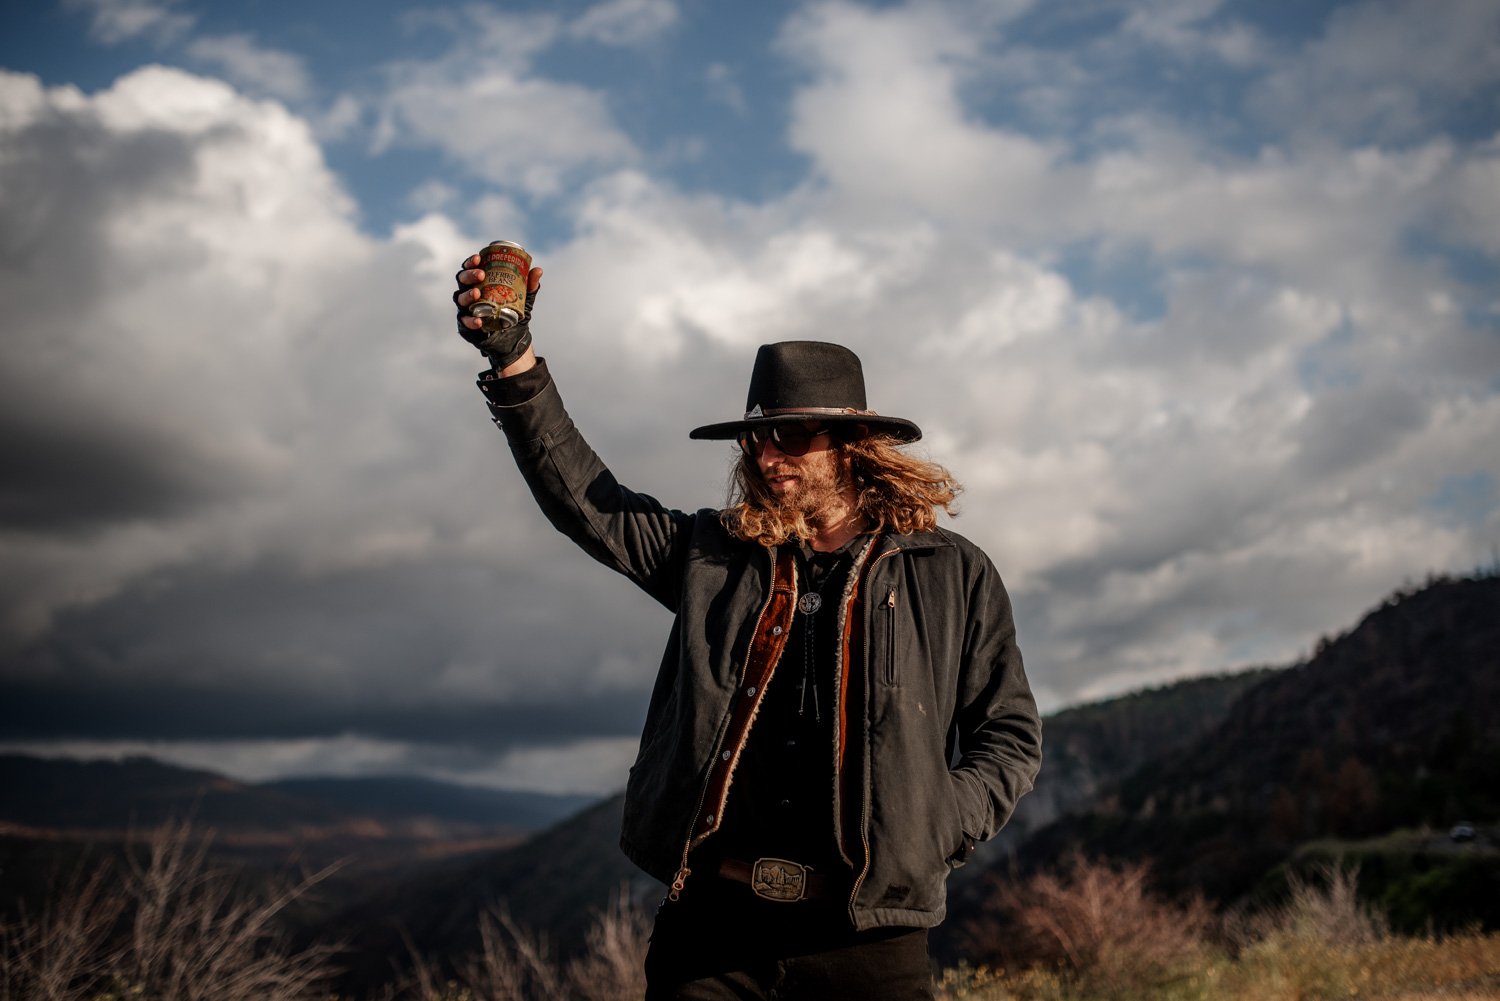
column 1114, row 737
column 1422, row 880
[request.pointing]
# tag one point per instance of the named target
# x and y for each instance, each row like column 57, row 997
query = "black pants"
column 720, row 942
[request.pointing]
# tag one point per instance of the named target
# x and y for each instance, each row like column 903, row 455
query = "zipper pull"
column 890, row 599
column 677, row 883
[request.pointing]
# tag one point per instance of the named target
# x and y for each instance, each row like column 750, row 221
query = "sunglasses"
column 791, row 439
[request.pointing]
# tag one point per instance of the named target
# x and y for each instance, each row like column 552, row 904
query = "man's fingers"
column 469, row 276
column 472, row 274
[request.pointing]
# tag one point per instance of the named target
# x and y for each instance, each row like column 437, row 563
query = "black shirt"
column 781, row 799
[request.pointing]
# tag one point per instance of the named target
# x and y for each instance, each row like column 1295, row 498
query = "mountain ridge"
column 1222, row 782
column 115, row 795
column 1392, row 726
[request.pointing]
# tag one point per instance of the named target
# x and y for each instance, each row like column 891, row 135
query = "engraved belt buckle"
column 778, row 879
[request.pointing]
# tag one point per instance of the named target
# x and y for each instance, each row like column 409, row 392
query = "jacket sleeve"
column 629, row 532
column 998, row 729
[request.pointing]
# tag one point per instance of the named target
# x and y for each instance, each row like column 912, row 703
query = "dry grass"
column 170, row 928
column 516, row 964
column 174, row 928
column 1462, row 968
column 1323, row 908
column 1321, row 945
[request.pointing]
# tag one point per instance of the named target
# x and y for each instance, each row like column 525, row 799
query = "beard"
column 757, row 512
column 818, row 487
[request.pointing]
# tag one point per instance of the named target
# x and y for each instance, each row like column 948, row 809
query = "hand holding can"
column 504, row 334
column 502, row 296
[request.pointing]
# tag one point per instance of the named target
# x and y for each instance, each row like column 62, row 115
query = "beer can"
column 502, row 301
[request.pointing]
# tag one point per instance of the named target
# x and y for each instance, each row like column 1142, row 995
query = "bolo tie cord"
column 809, row 604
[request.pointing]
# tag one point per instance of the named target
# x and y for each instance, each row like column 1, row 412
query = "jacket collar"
column 935, row 539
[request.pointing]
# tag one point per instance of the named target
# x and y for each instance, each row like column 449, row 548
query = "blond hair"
column 896, row 492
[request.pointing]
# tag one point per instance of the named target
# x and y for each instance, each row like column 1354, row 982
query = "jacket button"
column 709, row 820
column 750, row 690
column 775, row 630
column 786, row 804
column 725, row 755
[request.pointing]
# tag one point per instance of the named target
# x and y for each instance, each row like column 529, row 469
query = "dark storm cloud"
column 201, row 709
column 80, row 446
column 68, row 173
column 252, row 497
column 64, row 473
column 409, row 652
column 1348, row 426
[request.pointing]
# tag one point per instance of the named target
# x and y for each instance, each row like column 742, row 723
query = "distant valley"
column 1369, row 751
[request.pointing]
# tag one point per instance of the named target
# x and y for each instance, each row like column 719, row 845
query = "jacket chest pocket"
column 888, row 616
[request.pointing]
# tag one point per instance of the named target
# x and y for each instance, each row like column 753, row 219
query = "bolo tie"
column 808, row 604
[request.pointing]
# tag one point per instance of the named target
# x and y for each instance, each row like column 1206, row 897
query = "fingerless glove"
column 503, row 345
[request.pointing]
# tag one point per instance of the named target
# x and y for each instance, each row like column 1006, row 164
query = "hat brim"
column 902, row 430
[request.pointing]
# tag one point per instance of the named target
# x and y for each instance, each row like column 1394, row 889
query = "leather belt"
column 779, row 879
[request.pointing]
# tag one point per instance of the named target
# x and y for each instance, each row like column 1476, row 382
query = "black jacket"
column 939, row 734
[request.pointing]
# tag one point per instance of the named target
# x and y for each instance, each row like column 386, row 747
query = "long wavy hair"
column 897, row 492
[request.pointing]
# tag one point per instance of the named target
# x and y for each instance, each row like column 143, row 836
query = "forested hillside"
column 1373, row 749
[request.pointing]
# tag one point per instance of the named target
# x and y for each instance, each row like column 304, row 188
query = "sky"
column 1198, row 299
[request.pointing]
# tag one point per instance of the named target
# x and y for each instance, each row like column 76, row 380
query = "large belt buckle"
column 778, row 879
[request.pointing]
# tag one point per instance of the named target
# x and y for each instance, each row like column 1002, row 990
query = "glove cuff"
column 504, row 347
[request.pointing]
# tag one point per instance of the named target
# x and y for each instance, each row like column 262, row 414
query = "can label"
column 502, row 301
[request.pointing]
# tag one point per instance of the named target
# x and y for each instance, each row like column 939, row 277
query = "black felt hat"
column 807, row 380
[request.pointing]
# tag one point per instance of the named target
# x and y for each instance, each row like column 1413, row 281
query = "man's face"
column 809, row 483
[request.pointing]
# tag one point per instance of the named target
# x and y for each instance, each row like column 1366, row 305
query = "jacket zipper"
column 679, row 880
column 890, row 637
column 864, row 812
column 840, row 663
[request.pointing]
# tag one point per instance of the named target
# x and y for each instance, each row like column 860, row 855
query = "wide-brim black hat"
column 807, row 380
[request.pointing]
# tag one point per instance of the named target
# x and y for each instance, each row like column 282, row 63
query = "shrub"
column 170, row 929
column 1104, row 925
column 516, row 964
column 1321, row 909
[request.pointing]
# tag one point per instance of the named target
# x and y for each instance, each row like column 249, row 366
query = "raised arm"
column 627, row 531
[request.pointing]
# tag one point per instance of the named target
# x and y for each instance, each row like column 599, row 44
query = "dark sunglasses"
column 790, row 439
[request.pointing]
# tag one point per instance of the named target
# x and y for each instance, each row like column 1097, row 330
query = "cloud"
column 624, row 22
column 1189, row 29
column 1158, row 450
column 121, row 405
column 722, row 84
column 114, row 21
column 484, row 107
column 884, row 123
column 1209, row 398
column 259, row 489
column 1389, row 70
column 249, row 65
column 590, row 767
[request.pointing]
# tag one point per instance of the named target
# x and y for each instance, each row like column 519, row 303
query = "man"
column 841, row 710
